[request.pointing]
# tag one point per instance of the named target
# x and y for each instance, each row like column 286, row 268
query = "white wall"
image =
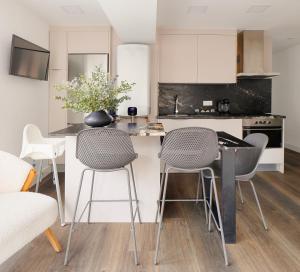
column 286, row 93
column 22, row 100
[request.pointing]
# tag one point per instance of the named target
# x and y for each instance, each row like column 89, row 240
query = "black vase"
column 98, row 119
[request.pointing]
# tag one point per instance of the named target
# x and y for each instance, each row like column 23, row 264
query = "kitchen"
column 162, row 137
column 237, row 104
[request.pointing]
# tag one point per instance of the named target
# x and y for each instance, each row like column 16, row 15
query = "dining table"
column 229, row 146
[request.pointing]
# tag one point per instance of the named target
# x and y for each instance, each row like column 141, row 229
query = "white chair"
column 36, row 147
column 24, row 215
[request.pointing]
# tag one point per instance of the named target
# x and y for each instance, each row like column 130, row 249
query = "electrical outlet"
column 207, row 103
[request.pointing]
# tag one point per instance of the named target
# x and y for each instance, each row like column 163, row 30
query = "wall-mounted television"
column 28, row 59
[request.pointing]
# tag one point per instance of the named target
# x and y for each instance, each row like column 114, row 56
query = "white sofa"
column 24, row 215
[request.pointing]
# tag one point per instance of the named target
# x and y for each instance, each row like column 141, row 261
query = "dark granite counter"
column 140, row 128
column 217, row 116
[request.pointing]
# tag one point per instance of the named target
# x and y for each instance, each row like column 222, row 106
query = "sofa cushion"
column 24, row 215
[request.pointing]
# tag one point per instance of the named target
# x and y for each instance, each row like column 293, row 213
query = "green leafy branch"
column 94, row 93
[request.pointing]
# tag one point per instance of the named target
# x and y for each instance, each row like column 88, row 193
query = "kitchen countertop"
column 217, row 116
column 140, row 128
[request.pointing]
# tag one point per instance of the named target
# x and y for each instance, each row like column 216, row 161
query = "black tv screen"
column 28, row 59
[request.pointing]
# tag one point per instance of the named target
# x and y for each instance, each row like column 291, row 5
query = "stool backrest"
column 190, row 148
column 247, row 160
column 104, row 148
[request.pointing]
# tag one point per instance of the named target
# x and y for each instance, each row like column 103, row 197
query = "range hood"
column 254, row 59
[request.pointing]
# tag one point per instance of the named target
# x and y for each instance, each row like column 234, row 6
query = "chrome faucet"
column 176, row 104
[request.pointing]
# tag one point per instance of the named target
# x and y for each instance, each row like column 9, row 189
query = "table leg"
column 228, row 208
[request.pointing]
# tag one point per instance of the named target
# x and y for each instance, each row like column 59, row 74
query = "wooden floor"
column 186, row 245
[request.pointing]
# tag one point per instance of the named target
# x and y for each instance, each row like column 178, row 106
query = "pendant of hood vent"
column 254, row 59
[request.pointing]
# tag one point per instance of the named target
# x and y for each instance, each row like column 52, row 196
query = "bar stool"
column 246, row 166
column 106, row 150
column 38, row 148
column 190, row 149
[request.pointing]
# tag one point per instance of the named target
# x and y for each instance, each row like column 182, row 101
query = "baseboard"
column 292, row 147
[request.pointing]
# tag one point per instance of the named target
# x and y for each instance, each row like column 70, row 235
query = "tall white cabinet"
column 133, row 65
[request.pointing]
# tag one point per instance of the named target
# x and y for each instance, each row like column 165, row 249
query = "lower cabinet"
column 272, row 159
column 232, row 126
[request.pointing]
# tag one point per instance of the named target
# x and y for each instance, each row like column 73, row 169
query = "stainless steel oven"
column 271, row 126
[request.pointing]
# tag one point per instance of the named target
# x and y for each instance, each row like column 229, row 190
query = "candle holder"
column 132, row 111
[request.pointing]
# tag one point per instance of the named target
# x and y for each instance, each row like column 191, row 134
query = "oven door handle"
column 262, row 128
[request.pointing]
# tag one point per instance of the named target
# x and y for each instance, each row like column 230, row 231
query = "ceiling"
column 52, row 11
column 133, row 20
column 280, row 19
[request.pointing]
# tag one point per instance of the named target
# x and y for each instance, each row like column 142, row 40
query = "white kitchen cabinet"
column 232, row 126
column 178, row 58
column 198, row 58
column 88, row 42
column 58, row 50
column 217, row 58
column 57, row 115
column 272, row 158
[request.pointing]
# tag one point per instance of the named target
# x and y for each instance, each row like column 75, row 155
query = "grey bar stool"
column 190, row 149
column 106, row 150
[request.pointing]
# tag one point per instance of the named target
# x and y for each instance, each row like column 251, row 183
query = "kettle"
column 224, row 106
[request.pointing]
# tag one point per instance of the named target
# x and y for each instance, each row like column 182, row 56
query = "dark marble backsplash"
column 249, row 96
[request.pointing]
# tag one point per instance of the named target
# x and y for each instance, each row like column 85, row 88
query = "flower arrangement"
column 96, row 92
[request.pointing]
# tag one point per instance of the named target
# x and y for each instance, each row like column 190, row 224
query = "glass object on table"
column 132, row 111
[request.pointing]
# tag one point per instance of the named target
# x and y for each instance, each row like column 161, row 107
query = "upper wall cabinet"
column 197, row 58
column 88, row 42
column 58, row 50
column 178, row 59
column 217, row 59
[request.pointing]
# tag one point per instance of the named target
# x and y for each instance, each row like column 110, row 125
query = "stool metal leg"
column 161, row 217
column 258, row 205
column 91, row 197
column 73, row 220
column 160, row 191
column 198, row 187
column 60, row 206
column 132, row 218
column 210, row 205
column 240, row 191
column 219, row 217
column 204, row 197
column 135, row 194
column 39, row 176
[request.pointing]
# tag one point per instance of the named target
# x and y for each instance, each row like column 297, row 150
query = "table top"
column 229, row 141
column 142, row 128
column 139, row 128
